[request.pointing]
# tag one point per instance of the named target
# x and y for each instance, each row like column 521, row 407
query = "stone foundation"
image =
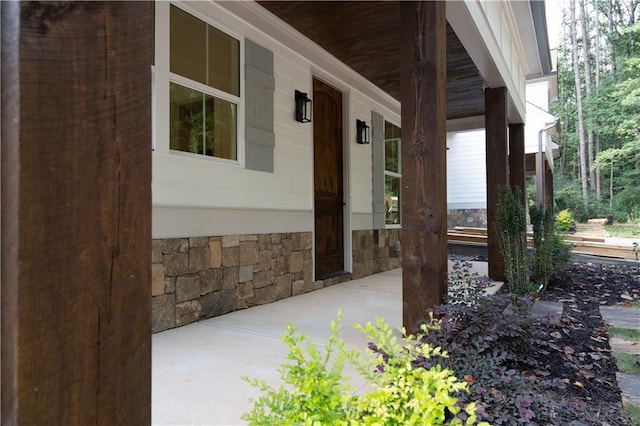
column 475, row 218
column 204, row 277
column 198, row 278
column 375, row 251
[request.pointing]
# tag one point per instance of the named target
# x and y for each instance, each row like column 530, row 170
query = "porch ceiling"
column 366, row 37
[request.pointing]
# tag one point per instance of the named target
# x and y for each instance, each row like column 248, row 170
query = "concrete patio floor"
column 197, row 369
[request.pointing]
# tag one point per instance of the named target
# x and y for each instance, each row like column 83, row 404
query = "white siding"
column 205, row 190
column 466, row 170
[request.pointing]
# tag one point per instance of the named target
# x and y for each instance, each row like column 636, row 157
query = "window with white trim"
column 204, row 87
column 392, row 173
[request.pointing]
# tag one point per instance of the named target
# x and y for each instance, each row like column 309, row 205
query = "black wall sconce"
column 303, row 107
column 362, row 132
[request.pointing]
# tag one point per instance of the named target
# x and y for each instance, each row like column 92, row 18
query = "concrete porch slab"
column 197, row 369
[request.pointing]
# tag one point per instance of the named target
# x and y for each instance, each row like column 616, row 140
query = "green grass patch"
column 624, row 333
column 628, row 363
column 633, row 412
column 629, row 230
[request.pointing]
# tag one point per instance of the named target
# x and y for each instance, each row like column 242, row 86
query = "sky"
column 554, row 21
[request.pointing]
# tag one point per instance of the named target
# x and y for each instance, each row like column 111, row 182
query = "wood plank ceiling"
column 366, row 37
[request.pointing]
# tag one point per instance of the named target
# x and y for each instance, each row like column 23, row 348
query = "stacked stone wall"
column 475, row 218
column 198, row 278
column 375, row 251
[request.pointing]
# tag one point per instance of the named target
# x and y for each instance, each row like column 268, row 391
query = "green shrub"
column 488, row 347
column 465, row 287
column 561, row 250
column 408, row 394
column 543, row 225
column 316, row 394
column 512, row 227
column 564, row 221
column 403, row 394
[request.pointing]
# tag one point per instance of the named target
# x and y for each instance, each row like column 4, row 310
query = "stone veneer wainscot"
column 199, row 278
column 474, row 218
column 375, row 251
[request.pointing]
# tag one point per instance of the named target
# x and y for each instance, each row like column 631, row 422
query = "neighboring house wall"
column 227, row 237
column 538, row 99
column 466, row 168
column 466, row 179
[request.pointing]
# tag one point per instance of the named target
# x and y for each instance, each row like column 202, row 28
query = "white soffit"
column 523, row 18
column 472, row 26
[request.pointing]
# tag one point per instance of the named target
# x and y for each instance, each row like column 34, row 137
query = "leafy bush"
column 404, row 394
column 407, row 393
column 627, row 203
column 543, row 224
column 564, row 221
column 487, row 346
column 561, row 250
column 317, row 395
column 512, row 227
column 464, row 287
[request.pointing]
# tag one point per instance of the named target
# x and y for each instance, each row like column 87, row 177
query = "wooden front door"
column 328, row 182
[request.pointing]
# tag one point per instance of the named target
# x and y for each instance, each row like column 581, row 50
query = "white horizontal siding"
column 466, row 170
column 191, row 187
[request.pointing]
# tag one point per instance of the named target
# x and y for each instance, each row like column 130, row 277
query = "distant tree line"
column 598, row 173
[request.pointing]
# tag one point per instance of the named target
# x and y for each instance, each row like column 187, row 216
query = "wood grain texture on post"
column 76, row 297
column 424, row 176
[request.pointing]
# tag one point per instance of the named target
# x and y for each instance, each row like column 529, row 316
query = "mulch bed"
column 576, row 352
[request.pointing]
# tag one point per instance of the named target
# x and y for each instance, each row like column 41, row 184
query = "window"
column 392, row 173
column 204, row 92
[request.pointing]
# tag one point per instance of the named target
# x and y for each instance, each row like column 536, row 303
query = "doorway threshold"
column 332, row 278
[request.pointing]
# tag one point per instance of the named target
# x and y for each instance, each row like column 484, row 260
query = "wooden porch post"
column 548, row 186
column 516, row 159
column 495, row 101
column 424, row 177
column 76, row 213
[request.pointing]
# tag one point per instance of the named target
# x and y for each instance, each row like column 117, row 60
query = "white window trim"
column 394, row 174
column 162, row 77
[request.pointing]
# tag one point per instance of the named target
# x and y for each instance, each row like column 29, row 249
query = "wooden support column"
column 516, row 160
column 548, row 186
column 424, row 176
column 495, row 101
column 76, row 213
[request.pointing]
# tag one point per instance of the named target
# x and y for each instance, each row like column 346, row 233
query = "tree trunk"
column 612, row 50
column 611, row 188
column 587, row 85
column 598, row 65
column 576, row 71
column 598, row 172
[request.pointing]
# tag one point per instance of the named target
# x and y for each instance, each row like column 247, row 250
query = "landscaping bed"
column 578, row 349
column 503, row 366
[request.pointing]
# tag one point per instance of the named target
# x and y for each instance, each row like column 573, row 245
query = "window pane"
column 221, row 128
column 391, row 131
column 186, row 118
column 391, row 147
column 392, row 155
column 199, row 120
column 224, row 62
column 188, row 46
column 392, row 199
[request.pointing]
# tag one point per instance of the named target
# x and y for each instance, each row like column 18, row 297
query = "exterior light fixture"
column 362, row 132
column 303, row 107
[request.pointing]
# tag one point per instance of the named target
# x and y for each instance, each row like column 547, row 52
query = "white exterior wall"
column 466, row 170
column 538, row 118
column 199, row 196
